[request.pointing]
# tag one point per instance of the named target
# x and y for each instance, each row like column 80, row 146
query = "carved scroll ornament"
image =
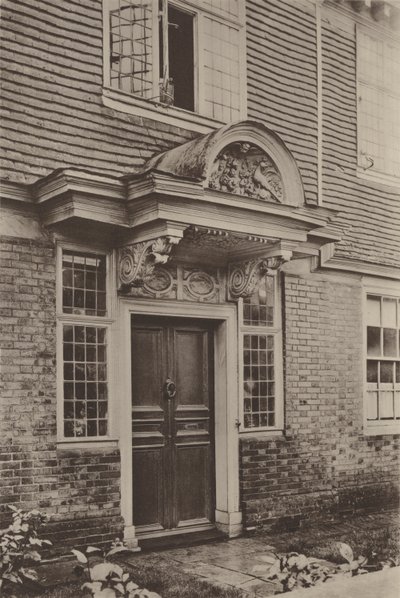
column 244, row 277
column 136, row 262
column 245, row 169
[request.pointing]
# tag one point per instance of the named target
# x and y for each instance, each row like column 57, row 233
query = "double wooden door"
column 172, row 423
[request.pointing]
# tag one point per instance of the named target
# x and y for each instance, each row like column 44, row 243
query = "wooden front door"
column 172, row 424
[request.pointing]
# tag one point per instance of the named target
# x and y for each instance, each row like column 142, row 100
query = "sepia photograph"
column 199, row 298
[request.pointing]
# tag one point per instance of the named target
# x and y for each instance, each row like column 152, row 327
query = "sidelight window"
column 261, row 358
column 182, row 54
column 83, row 335
column 382, row 372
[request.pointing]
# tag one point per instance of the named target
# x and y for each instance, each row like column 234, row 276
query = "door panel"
column 173, row 436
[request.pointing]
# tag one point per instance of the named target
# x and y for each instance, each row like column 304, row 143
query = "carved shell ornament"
column 245, row 169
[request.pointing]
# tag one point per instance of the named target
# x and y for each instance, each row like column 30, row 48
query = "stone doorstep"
column 381, row 584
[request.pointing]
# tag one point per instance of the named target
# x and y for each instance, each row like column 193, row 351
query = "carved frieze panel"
column 244, row 169
column 182, row 283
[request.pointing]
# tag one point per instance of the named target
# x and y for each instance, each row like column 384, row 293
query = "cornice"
column 62, row 181
column 328, row 260
column 15, row 191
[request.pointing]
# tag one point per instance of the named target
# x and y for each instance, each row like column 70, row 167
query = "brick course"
column 80, row 488
column 323, row 461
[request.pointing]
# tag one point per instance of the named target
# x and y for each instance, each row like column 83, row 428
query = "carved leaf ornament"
column 244, row 169
column 137, row 261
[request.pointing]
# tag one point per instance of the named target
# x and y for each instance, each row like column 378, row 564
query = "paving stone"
column 213, row 573
column 259, row 588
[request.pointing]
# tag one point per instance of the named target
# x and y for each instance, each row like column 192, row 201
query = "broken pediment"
column 245, row 169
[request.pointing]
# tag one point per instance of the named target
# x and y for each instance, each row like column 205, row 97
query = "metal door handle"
column 169, row 388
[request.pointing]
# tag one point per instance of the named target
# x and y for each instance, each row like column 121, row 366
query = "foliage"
column 353, row 566
column 295, row 570
column 20, row 545
column 107, row 579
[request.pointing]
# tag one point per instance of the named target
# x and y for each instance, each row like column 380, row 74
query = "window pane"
column 386, row 372
column 389, row 319
column 84, row 394
column 373, row 311
column 131, row 46
column 258, row 310
column 389, row 342
column 372, row 371
column 258, row 384
column 79, row 271
column 373, row 340
column 386, row 405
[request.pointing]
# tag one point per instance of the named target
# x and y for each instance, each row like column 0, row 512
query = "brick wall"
column 323, row 461
column 80, row 488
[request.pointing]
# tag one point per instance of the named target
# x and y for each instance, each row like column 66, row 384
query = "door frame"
column 228, row 517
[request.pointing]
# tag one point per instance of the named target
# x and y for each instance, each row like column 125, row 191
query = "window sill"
column 177, row 117
column 87, row 443
column 378, row 177
column 382, row 429
column 260, row 432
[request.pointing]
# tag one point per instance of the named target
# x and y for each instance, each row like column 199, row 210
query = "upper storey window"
column 185, row 55
column 378, row 73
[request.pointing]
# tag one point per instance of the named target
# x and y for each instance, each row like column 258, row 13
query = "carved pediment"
column 243, row 168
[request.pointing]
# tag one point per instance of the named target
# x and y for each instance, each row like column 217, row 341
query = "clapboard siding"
column 281, row 78
column 53, row 116
column 52, row 111
column 369, row 213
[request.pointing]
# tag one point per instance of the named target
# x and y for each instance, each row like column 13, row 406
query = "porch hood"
column 232, row 195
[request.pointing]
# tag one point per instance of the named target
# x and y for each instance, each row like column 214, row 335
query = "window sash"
column 205, row 105
column 270, row 398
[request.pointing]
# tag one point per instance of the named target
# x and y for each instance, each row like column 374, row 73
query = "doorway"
column 173, row 424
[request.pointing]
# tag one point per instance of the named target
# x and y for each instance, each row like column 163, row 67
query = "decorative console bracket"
column 136, row 262
column 244, row 277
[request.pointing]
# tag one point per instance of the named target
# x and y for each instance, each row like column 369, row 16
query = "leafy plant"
column 353, row 566
column 20, row 545
column 294, row 570
column 107, row 579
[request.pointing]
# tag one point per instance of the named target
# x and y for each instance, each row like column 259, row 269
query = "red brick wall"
column 81, row 488
column 323, row 461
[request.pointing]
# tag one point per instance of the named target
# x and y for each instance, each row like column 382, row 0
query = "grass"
column 378, row 540
column 154, row 574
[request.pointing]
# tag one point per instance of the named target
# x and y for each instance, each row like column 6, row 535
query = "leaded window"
column 84, row 338
column 188, row 56
column 261, row 365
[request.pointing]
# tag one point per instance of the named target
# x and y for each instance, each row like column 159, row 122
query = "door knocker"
column 170, row 388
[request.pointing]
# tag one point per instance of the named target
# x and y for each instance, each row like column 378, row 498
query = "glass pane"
column 386, row 405
column 372, row 371
column 372, row 405
column 373, row 340
column 258, row 310
column 397, row 404
column 258, row 388
column 84, row 373
column 386, row 368
column 389, row 313
column 389, row 342
column 373, row 311
column 83, row 276
column 398, row 372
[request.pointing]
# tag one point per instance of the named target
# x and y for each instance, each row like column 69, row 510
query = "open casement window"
column 83, row 345
column 261, row 358
column 182, row 54
column 382, row 372
column 378, row 76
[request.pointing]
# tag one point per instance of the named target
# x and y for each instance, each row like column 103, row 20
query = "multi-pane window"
column 378, row 75
column 383, row 359
column 84, row 342
column 183, row 55
column 261, row 355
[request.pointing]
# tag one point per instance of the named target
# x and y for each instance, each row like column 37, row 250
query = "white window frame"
column 155, row 110
column 382, row 288
column 107, row 322
column 363, row 169
column 276, row 331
